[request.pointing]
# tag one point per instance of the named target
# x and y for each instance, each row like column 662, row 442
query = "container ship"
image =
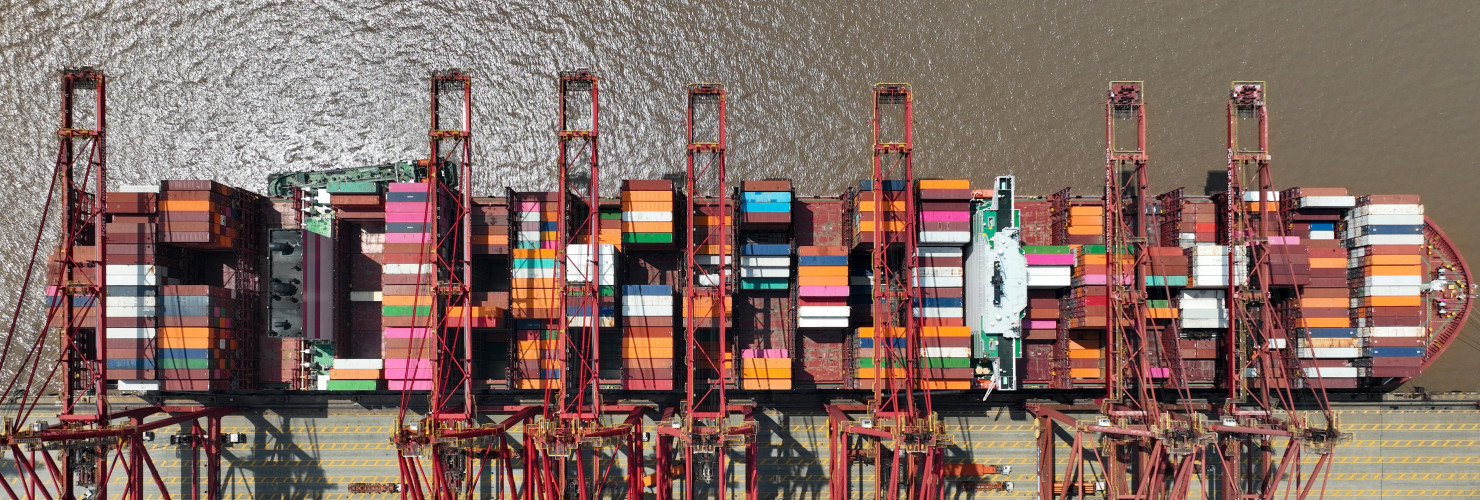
column 688, row 298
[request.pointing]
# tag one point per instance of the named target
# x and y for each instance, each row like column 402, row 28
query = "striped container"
column 647, row 214
column 945, row 357
column 940, row 280
column 1049, row 267
column 889, row 201
column 765, row 369
column 944, row 212
column 1386, row 274
column 198, row 214
column 648, row 349
column 765, row 205
column 194, row 348
column 822, row 287
column 765, row 266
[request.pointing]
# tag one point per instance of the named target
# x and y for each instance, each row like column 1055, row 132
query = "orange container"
column 807, row 271
column 647, row 196
column 945, row 184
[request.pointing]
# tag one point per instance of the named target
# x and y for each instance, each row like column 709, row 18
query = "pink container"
column 405, row 333
column 1042, row 324
column 412, row 385
column 407, row 187
column 408, row 238
column 1039, row 259
column 1094, row 279
column 823, row 291
column 1284, row 240
column 1160, row 372
column 51, row 290
column 530, row 206
column 411, row 217
column 404, row 207
column 549, row 245
column 945, row 216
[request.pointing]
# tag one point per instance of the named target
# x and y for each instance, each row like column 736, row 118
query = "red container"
column 945, row 194
column 1040, row 334
column 647, row 385
column 765, row 186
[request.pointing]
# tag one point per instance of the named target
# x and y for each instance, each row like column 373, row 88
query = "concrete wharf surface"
column 317, row 452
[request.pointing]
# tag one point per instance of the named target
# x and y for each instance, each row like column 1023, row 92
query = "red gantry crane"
column 92, row 443
column 702, row 426
column 572, row 446
column 1261, row 406
column 899, row 436
column 441, row 454
column 1146, row 450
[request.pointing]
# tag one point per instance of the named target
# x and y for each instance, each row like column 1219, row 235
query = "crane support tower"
column 703, row 427
column 92, row 442
column 899, row 436
column 573, row 445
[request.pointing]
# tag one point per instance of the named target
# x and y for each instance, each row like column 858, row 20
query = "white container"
column 939, row 252
column 766, row 261
column 647, row 216
column 1387, row 239
column 365, row 296
column 824, row 311
column 119, row 301
column 1386, row 291
column 1366, row 281
column 538, row 272
column 416, row 269
column 945, row 237
column 712, row 260
column 648, row 300
column 641, row 310
column 135, row 188
column 1326, row 202
column 1210, row 313
column 1278, row 343
column 939, row 281
column 528, row 217
column 1047, row 271
column 130, row 312
column 1386, row 210
column 940, row 312
column 359, row 363
column 706, row 279
column 1204, row 323
column 1049, row 282
column 940, row 272
column 529, row 236
column 1332, row 371
column 822, row 322
column 1323, row 235
column 1392, row 331
column 1268, row 195
column 126, row 332
column 138, row 385
column 1328, row 352
column 1390, row 220
column 764, row 272
column 945, row 352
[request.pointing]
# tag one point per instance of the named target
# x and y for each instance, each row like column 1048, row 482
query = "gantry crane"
column 449, row 437
column 702, row 426
column 93, row 442
column 1260, row 408
column 899, row 433
column 1149, row 450
column 572, row 446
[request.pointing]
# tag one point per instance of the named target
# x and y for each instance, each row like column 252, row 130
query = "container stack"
column 765, row 261
column 539, row 356
column 1203, row 309
column 707, row 226
column 1085, row 303
column 578, row 258
column 1289, row 262
column 822, row 287
column 197, row 214
column 133, row 281
column 765, row 369
column 532, row 292
column 490, row 234
column 939, row 281
column 765, row 205
column 1086, row 225
column 1313, row 213
column 1198, row 224
column 945, row 212
column 1210, row 266
column 1385, row 234
column 1169, row 267
column 647, row 214
column 538, row 218
column 947, row 356
column 1049, row 267
column 194, row 350
column 890, row 200
column 1270, row 203
column 355, row 374
column 407, row 277
column 647, row 341
column 1087, row 356
column 1040, row 331
column 408, row 355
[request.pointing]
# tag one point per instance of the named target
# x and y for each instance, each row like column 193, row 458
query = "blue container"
column 185, row 301
column 889, row 185
column 778, row 207
column 1397, row 352
column 131, row 291
column 897, row 343
column 180, row 353
column 130, row 364
column 647, row 290
column 183, row 311
column 765, row 197
column 1392, row 230
column 1332, row 333
column 1323, row 226
column 406, row 227
column 759, row 249
column 822, row 260
column 943, row 301
column 419, row 197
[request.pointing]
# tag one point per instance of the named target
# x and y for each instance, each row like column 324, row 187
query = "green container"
column 1046, row 250
column 345, row 187
column 611, row 215
column 948, row 362
column 869, row 363
column 606, row 291
column 1166, row 281
column 1161, row 304
column 182, row 364
column 406, row 310
column 764, row 284
column 641, row 238
column 353, row 385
